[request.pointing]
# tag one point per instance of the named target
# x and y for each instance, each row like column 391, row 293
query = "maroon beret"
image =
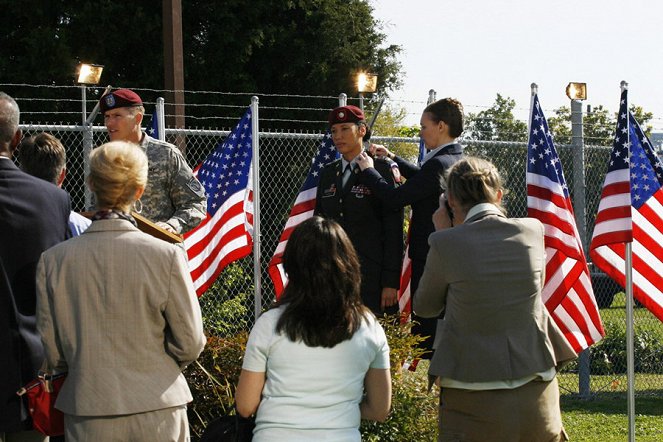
column 346, row 114
column 119, row 98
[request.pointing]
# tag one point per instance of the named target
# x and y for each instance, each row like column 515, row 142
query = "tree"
column 306, row 46
column 296, row 47
column 389, row 123
column 497, row 123
column 598, row 125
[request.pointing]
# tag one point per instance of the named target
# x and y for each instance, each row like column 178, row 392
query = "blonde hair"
column 134, row 110
column 472, row 181
column 117, row 170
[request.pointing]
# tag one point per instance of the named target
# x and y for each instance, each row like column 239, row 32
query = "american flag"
column 567, row 292
column 404, row 294
column 301, row 210
column 225, row 234
column 153, row 127
column 631, row 210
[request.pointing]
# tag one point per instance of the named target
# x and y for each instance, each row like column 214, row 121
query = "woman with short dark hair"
column 311, row 357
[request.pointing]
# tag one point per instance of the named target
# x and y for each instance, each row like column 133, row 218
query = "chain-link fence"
column 284, row 162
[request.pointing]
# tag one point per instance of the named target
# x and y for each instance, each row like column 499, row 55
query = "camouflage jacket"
column 173, row 195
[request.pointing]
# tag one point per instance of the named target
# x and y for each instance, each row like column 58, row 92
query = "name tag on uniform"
column 329, row 192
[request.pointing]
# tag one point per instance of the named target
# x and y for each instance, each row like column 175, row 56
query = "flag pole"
column 257, row 274
column 534, row 89
column 628, row 272
column 161, row 119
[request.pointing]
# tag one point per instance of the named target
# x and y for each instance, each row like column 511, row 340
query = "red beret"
column 346, row 114
column 119, row 98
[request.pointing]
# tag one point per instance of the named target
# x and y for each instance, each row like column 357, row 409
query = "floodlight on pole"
column 576, row 91
column 89, row 74
column 366, row 83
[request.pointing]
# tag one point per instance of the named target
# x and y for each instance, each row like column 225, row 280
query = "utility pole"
column 173, row 63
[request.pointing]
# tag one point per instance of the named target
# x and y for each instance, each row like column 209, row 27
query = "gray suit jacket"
column 487, row 275
column 117, row 309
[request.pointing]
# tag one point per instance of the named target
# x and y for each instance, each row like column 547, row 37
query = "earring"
column 138, row 206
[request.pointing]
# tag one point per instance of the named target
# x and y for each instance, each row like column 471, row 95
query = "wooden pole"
column 173, row 63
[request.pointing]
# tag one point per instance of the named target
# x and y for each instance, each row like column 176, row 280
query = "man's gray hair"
column 9, row 117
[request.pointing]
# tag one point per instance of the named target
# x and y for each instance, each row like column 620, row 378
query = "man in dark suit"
column 33, row 217
column 441, row 123
column 376, row 231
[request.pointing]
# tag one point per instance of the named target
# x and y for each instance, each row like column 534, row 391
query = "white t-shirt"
column 312, row 393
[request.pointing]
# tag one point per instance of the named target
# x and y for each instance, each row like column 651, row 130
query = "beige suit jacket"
column 487, row 274
column 117, row 309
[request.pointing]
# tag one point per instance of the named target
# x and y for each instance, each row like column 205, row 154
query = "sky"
column 474, row 49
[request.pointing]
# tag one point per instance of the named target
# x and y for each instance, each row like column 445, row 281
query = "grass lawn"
column 604, row 419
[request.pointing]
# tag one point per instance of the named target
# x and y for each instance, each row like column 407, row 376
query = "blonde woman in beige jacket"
column 116, row 308
column 497, row 349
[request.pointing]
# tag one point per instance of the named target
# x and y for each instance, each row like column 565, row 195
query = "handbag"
column 230, row 428
column 42, row 394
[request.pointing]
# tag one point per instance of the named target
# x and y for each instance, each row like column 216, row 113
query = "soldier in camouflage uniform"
column 173, row 198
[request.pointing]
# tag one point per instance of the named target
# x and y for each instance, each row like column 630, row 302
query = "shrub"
column 414, row 410
column 609, row 355
column 213, row 378
column 225, row 317
column 226, row 305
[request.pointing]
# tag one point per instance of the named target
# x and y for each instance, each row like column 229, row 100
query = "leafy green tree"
column 312, row 47
column 390, row 124
column 598, row 124
column 497, row 123
column 305, row 46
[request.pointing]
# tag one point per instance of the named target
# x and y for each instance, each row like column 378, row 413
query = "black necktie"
column 346, row 174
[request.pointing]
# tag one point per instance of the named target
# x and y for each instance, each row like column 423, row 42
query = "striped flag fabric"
column 404, row 293
column 301, row 210
column 225, row 235
column 631, row 210
column 567, row 292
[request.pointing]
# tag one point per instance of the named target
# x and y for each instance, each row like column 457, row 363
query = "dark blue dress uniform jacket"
column 376, row 230
column 421, row 191
column 34, row 216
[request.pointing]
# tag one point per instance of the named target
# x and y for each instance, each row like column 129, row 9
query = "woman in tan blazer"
column 116, row 308
column 497, row 348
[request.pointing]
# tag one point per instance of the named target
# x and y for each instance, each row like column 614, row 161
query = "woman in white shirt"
column 318, row 361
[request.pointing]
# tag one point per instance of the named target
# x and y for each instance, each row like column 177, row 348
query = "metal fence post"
column 342, row 99
column 88, row 140
column 432, row 96
column 579, row 208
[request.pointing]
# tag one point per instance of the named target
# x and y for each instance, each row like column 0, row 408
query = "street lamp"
column 366, row 83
